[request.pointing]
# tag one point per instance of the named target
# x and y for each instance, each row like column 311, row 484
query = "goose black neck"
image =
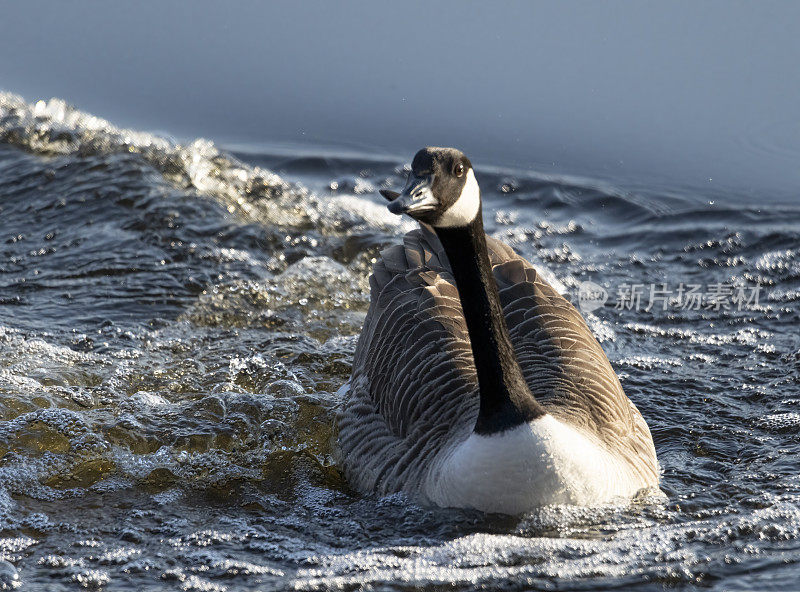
column 505, row 400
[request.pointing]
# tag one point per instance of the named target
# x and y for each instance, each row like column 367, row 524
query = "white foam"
column 55, row 127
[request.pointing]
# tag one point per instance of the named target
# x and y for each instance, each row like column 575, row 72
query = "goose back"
column 413, row 392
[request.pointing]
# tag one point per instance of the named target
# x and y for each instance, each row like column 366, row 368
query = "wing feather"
column 414, row 387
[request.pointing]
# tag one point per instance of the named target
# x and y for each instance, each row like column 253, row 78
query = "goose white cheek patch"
column 466, row 207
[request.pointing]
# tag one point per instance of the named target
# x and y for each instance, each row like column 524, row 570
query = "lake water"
column 176, row 315
column 679, row 95
column 175, row 321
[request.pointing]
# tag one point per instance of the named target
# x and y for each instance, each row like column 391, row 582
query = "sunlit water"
column 175, row 322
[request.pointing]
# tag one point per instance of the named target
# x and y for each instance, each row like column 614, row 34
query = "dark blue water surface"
column 175, row 320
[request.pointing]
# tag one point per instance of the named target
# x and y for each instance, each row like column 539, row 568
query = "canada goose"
column 475, row 384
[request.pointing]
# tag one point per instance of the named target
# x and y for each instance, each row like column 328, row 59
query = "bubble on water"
column 13, row 550
column 349, row 212
column 747, row 336
column 650, row 362
column 602, row 330
column 639, row 549
column 91, row 578
column 59, row 561
column 146, row 399
column 550, row 228
column 781, row 263
column 505, row 217
column 780, row 422
column 9, row 576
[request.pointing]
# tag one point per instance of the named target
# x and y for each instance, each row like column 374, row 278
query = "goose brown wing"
column 413, row 386
column 564, row 365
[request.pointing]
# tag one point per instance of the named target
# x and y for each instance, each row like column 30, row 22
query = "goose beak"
column 416, row 197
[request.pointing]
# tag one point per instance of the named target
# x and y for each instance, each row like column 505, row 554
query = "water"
column 175, row 321
column 679, row 94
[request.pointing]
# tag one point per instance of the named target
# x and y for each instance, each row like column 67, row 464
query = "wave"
column 175, row 322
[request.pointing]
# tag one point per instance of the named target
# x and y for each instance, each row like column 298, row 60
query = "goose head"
column 441, row 190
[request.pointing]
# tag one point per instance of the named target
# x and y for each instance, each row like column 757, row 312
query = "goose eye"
column 458, row 170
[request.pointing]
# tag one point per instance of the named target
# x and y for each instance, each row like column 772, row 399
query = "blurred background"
column 680, row 95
